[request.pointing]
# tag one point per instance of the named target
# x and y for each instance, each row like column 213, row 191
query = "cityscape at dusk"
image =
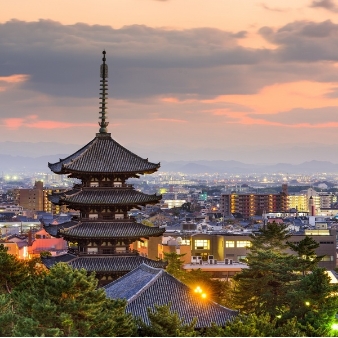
column 168, row 168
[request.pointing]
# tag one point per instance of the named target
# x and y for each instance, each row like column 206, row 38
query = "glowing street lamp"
column 200, row 291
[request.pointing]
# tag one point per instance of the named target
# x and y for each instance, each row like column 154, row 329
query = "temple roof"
column 103, row 196
column 103, row 264
column 103, row 155
column 99, row 230
column 146, row 287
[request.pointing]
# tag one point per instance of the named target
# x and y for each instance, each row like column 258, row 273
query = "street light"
column 200, row 291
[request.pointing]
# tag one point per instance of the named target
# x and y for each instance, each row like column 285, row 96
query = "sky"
column 255, row 81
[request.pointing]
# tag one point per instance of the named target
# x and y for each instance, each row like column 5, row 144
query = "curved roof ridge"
column 78, row 152
column 85, row 149
column 104, row 155
column 154, row 271
column 129, row 151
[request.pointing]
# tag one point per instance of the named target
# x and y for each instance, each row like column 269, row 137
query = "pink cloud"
column 13, row 123
column 8, row 81
column 56, row 125
column 170, row 120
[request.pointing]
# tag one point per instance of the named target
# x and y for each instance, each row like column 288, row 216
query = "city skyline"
column 194, row 77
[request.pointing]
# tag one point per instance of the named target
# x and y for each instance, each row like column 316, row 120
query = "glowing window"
column 243, row 244
column 229, row 244
column 202, row 244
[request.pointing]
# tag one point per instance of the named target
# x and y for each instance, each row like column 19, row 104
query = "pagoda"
column 102, row 235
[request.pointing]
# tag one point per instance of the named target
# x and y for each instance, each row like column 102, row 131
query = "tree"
column 273, row 237
column 261, row 288
column 164, row 323
column 313, row 300
column 255, row 326
column 66, row 302
column 288, row 287
column 175, row 265
column 7, row 316
column 12, row 272
column 305, row 250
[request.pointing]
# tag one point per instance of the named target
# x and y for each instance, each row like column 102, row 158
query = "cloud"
column 32, row 121
column 8, row 82
column 160, row 77
column 304, row 41
column 273, row 9
column 142, row 61
column 323, row 117
column 327, row 4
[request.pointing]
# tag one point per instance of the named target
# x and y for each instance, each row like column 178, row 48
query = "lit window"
column 229, row 244
column 327, row 259
column 202, row 244
column 243, row 244
column 185, row 242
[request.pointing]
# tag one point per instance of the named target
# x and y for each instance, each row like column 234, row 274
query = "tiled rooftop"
column 104, row 196
column 103, row 155
column 108, row 230
column 146, row 287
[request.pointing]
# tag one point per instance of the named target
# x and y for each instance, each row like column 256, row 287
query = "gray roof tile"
column 103, row 155
column 110, row 230
column 104, row 196
column 146, row 287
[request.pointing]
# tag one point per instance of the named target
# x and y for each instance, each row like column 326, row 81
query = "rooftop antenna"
column 103, row 94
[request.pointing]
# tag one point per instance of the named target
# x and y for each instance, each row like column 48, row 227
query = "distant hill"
column 34, row 157
column 17, row 164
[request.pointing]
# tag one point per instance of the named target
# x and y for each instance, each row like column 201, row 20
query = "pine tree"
column 66, row 302
column 261, row 288
column 164, row 323
column 12, row 270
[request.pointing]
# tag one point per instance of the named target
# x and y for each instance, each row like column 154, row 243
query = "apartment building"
column 253, row 204
column 36, row 199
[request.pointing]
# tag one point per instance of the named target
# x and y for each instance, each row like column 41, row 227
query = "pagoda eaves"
column 104, row 196
column 103, row 155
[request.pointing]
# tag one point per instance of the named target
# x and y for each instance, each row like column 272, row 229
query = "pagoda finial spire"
column 103, row 94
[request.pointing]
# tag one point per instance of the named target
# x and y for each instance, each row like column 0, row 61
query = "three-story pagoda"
column 104, row 232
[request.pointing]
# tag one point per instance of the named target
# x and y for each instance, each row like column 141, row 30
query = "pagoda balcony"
column 120, row 253
column 101, row 219
column 122, row 186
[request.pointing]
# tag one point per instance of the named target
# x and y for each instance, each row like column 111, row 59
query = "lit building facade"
column 253, row 204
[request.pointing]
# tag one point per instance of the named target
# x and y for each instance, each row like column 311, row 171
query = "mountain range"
column 27, row 164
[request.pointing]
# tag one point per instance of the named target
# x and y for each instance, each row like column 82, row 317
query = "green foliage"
column 287, row 287
column 45, row 254
column 305, row 250
column 314, row 302
column 147, row 223
column 71, row 305
column 255, row 326
column 175, row 265
column 12, row 272
column 274, row 238
column 7, row 316
column 164, row 323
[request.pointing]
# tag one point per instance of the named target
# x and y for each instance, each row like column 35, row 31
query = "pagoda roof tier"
column 103, row 264
column 103, row 196
column 103, row 155
column 103, row 230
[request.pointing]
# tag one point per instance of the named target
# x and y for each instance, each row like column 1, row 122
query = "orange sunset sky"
column 255, row 81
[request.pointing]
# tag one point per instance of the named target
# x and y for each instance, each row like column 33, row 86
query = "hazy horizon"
column 250, row 155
